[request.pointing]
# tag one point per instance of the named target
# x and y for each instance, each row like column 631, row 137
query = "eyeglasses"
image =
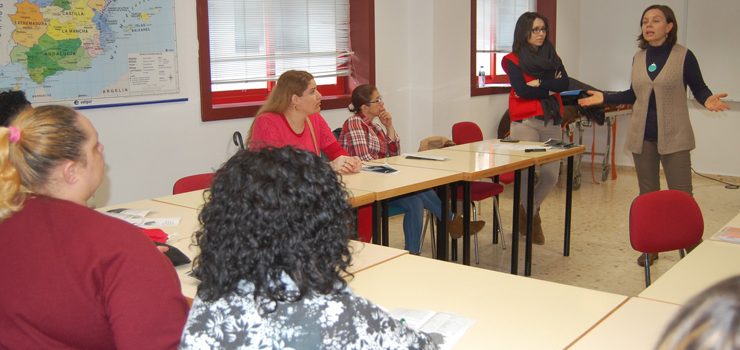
column 540, row 30
column 377, row 100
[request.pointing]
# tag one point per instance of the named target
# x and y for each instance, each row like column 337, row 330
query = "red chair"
column 662, row 221
column 193, row 183
column 467, row 132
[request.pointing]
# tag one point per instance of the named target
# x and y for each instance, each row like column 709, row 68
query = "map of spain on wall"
column 88, row 53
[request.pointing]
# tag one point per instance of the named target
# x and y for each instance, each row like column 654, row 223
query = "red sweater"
column 75, row 278
column 272, row 129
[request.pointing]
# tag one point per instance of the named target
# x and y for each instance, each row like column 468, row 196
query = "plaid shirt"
column 367, row 140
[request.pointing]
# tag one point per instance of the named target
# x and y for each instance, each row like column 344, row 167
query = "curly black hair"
column 11, row 103
column 269, row 212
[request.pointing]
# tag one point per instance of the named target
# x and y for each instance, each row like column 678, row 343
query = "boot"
column 522, row 222
column 651, row 256
column 538, row 237
column 455, row 227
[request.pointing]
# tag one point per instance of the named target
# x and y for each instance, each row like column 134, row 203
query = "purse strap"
column 313, row 135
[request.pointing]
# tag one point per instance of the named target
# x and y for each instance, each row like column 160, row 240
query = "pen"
column 535, row 149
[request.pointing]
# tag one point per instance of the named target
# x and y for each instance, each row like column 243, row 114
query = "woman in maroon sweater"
column 72, row 277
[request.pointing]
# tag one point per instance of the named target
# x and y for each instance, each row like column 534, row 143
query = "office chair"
column 467, row 132
column 662, row 221
column 193, row 183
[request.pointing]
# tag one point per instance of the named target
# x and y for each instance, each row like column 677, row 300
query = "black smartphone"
column 509, row 140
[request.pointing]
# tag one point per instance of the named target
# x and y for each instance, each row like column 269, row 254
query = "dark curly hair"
column 269, row 212
column 11, row 103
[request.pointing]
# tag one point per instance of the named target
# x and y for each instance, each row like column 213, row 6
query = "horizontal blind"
column 257, row 40
column 496, row 20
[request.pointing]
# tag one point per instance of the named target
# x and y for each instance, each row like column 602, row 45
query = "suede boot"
column 455, row 227
column 651, row 256
column 538, row 237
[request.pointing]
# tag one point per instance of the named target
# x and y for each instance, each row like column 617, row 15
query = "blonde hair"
column 48, row 135
column 292, row 82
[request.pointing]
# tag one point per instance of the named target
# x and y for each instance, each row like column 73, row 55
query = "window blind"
column 257, row 40
column 496, row 21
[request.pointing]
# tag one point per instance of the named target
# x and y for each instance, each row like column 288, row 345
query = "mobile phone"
column 509, row 140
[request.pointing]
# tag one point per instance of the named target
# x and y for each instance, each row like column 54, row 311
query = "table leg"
column 568, row 207
column 515, row 224
column 530, row 219
column 442, row 223
column 466, row 223
column 377, row 214
column 384, row 232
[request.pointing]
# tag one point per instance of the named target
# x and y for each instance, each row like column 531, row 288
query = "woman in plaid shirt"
column 367, row 140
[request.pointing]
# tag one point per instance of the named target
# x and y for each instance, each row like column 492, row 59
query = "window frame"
column 547, row 8
column 362, row 37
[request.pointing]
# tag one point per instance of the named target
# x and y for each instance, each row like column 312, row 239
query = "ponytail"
column 37, row 140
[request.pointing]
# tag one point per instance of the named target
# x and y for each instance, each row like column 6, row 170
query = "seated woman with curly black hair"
column 274, row 245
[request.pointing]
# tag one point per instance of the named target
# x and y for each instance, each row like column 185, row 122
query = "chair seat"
column 482, row 190
column 506, row 178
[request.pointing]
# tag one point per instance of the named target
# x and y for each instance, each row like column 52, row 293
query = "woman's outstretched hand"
column 715, row 104
column 594, row 98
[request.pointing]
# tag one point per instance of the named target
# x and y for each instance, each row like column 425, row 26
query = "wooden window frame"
column 233, row 106
column 547, row 8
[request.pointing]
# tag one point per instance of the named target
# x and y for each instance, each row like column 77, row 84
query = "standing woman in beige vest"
column 661, row 132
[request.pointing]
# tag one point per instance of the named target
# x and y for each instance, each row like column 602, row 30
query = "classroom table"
column 498, row 149
column 472, row 166
column 364, row 255
column 707, row 264
column 733, row 228
column 636, row 325
column 510, row 312
column 195, row 199
column 405, row 181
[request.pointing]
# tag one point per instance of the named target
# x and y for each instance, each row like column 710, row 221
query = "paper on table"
column 138, row 217
column 451, row 327
column 517, row 146
column 728, row 234
column 160, row 222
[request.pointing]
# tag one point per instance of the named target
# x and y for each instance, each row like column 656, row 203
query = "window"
column 492, row 33
column 246, row 44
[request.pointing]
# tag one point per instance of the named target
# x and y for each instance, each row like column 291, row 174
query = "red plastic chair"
column 662, row 221
column 193, row 183
column 467, row 132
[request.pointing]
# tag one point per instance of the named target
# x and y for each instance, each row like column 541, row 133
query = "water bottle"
column 481, row 77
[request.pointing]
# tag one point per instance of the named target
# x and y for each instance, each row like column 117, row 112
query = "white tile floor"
column 601, row 256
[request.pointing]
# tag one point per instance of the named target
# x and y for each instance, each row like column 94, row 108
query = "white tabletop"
column 511, row 312
column 193, row 199
column 707, row 264
column 473, row 165
column 406, row 180
column 495, row 146
column 636, row 325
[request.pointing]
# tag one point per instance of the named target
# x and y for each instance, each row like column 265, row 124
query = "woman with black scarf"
column 537, row 75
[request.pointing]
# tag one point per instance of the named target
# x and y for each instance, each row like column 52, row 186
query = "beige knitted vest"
column 674, row 127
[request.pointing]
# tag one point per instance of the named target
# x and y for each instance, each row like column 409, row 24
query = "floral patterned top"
column 340, row 320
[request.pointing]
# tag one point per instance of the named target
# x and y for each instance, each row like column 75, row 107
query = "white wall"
column 422, row 67
column 607, row 44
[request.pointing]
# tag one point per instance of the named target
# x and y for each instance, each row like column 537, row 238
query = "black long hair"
column 272, row 212
column 523, row 29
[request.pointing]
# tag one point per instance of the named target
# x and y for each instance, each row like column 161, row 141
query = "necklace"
column 652, row 67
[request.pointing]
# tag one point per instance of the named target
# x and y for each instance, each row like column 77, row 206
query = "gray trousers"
column 532, row 129
column 676, row 166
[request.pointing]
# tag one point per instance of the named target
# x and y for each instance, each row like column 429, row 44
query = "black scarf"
column 542, row 62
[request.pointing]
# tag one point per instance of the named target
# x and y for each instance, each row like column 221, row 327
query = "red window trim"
column 547, row 8
column 231, row 105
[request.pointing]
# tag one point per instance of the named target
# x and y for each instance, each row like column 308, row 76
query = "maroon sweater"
column 75, row 278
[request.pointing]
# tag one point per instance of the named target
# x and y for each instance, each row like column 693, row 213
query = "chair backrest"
column 193, row 183
column 466, row 132
column 665, row 220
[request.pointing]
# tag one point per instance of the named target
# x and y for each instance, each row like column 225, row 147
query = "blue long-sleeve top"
column 691, row 77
